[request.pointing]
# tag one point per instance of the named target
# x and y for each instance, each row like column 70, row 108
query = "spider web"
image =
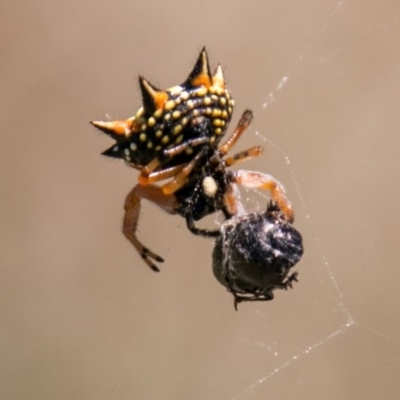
column 336, row 334
column 328, row 322
column 325, row 336
column 82, row 317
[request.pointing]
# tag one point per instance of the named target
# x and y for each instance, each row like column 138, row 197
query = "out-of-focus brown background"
column 81, row 317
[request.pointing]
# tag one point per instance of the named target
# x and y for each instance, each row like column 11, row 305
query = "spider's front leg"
column 198, row 231
column 162, row 196
column 259, row 180
column 132, row 210
column 153, row 172
column 243, row 124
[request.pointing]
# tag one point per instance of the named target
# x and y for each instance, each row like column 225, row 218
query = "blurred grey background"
column 82, row 317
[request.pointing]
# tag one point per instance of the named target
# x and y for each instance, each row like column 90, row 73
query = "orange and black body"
column 201, row 107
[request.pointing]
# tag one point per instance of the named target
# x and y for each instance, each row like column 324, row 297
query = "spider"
column 176, row 134
column 254, row 254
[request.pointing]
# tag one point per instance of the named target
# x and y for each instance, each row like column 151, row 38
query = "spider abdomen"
column 201, row 107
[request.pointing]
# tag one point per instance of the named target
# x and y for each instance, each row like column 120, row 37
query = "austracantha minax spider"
column 176, row 135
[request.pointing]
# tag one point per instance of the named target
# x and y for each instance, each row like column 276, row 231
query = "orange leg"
column 232, row 201
column 259, row 180
column 149, row 168
column 181, row 178
column 245, row 155
column 160, row 175
column 132, row 210
column 242, row 125
column 174, row 151
column 244, row 122
column 148, row 174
